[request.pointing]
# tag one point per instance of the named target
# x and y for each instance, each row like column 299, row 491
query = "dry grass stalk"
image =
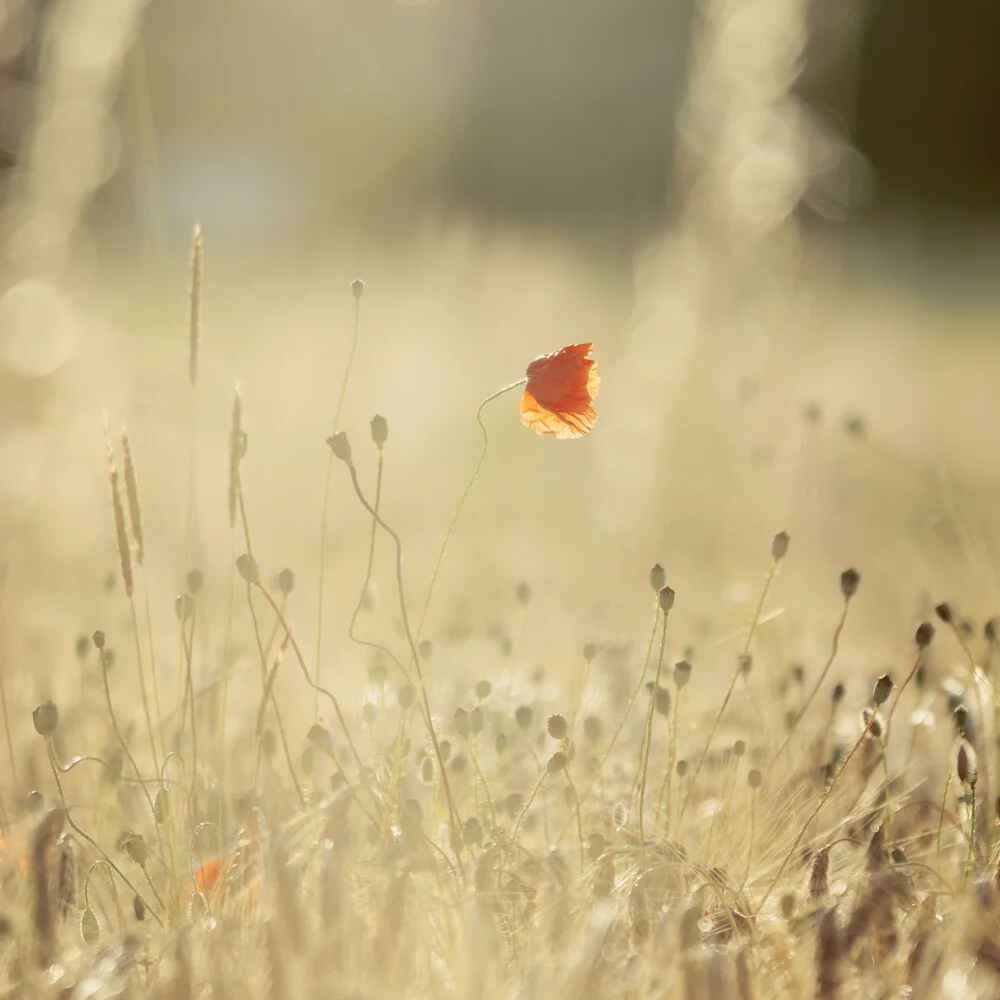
column 118, row 509
column 237, row 449
column 132, row 495
column 42, row 915
column 194, row 320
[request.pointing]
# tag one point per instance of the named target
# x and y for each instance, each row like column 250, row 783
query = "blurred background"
column 776, row 219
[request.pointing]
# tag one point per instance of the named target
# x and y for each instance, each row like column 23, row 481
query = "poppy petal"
column 563, row 425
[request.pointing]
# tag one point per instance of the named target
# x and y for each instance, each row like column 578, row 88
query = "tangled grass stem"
column 816, row 811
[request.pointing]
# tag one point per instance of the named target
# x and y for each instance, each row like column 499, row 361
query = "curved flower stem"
column 461, row 501
column 834, row 647
column 86, row 836
column 453, row 814
column 326, row 506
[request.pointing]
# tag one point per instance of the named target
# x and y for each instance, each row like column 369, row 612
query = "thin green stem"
column 461, row 502
column 455, row 819
column 226, row 667
column 318, row 669
column 665, row 787
column 772, row 572
column 972, row 829
column 628, row 710
column 152, row 662
column 648, row 740
column 834, row 647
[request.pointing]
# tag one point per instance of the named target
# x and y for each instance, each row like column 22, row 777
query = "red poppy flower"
column 559, row 396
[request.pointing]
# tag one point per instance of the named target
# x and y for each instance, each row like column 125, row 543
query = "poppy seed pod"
column 966, row 765
column 98, row 639
column 357, row 288
column 991, row 630
column 663, row 701
column 589, row 652
column 286, row 582
column 461, row 718
column 524, row 715
column 657, row 578
column 45, row 718
column 779, row 546
column 340, row 446
column 849, row 581
column 194, row 580
column 557, row 727
column 476, row 720
column 754, row 778
column 248, row 569
column 556, row 763
column 183, row 606
column 837, row 695
column 924, row 634
column 682, row 673
column 882, row 690
column 523, row 592
column 666, row 599
column 380, row 430
column 944, row 612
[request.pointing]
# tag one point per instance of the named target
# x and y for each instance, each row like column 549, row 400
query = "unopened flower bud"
column 883, row 688
column 779, row 546
column 849, row 581
column 944, row 612
column 380, row 430
column 556, row 763
column 557, row 727
column 340, row 446
column 248, row 569
column 45, row 718
column 966, row 764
